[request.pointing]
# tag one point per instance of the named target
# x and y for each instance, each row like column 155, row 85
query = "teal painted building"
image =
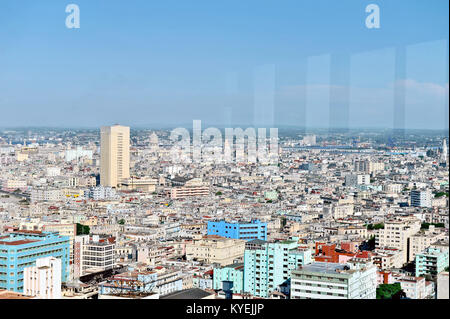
column 234, row 273
column 268, row 265
column 431, row 262
column 20, row 249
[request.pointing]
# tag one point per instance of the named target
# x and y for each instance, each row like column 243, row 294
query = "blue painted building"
column 269, row 265
column 432, row 261
column 234, row 273
column 20, row 249
column 255, row 229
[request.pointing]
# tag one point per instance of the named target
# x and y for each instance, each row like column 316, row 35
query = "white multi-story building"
column 387, row 258
column 393, row 188
column 367, row 166
column 414, row 287
column 396, row 234
column 421, row 198
column 13, row 184
column 102, row 193
column 47, row 195
column 424, row 239
column 215, row 249
column 43, row 280
column 357, row 179
column 93, row 254
column 442, row 286
column 322, row 280
column 192, row 188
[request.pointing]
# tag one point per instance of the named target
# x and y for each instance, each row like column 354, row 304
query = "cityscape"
column 109, row 214
column 252, row 153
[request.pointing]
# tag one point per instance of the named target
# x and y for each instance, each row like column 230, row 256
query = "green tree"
column 388, row 291
column 371, row 243
column 375, row 227
column 378, row 226
column 427, row 225
column 121, row 222
column 83, row 229
column 219, row 193
column 440, row 194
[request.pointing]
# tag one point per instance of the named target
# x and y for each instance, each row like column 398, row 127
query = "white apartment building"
column 43, row 280
column 102, row 193
column 442, row 286
column 421, row 198
column 414, row 287
column 322, row 280
column 192, row 188
column 342, row 211
column 396, row 234
column 215, row 249
column 387, row 258
column 47, row 195
column 13, row 184
column 188, row 191
column 392, row 188
column 93, row 254
column 367, row 166
column 353, row 180
column 424, row 239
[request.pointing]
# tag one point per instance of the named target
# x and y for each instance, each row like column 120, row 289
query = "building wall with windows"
column 268, row 265
column 214, row 249
column 93, row 254
column 321, row 280
column 254, row 229
column 21, row 249
column 396, row 234
column 421, row 198
column 44, row 279
column 234, row 273
column 431, row 262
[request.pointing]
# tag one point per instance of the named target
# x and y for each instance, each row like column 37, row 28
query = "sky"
column 297, row 63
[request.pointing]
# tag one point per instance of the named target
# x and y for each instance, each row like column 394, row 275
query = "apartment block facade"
column 321, row 280
column 268, row 265
column 254, row 229
column 21, row 249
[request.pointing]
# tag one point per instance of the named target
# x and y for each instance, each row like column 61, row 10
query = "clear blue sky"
column 144, row 62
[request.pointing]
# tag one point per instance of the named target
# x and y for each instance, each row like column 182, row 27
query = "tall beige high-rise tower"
column 115, row 155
